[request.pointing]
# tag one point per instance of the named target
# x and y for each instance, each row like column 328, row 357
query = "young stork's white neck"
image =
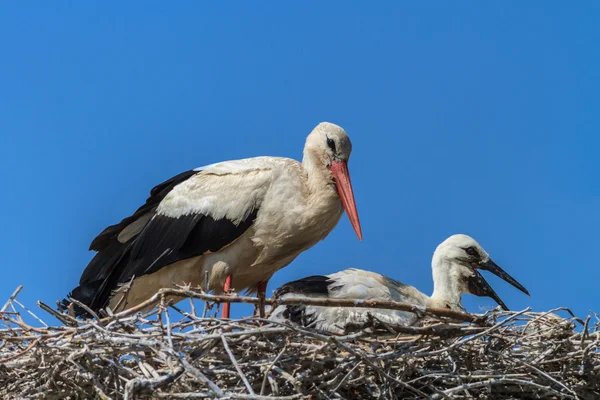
column 448, row 287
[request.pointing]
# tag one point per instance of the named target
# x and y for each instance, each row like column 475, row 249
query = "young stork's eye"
column 331, row 144
column 471, row 251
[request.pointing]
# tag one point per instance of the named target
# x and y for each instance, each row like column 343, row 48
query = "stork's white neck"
column 323, row 207
column 447, row 285
column 317, row 174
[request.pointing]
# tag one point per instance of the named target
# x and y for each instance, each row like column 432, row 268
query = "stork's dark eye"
column 471, row 251
column 331, row 144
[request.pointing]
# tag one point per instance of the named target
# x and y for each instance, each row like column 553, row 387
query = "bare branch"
column 157, row 354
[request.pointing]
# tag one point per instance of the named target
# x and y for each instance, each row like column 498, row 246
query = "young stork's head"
column 456, row 264
column 329, row 146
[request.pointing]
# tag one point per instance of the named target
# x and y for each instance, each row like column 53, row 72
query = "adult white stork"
column 455, row 266
column 239, row 221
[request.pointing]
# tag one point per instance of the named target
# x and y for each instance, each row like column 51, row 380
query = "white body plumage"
column 354, row 284
column 238, row 221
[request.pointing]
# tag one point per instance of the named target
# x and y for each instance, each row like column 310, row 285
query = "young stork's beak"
column 479, row 287
column 491, row 266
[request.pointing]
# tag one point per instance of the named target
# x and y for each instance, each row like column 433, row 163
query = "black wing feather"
column 315, row 284
column 163, row 241
column 157, row 194
column 166, row 240
column 106, row 243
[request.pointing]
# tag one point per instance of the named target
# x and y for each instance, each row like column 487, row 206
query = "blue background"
column 468, row 117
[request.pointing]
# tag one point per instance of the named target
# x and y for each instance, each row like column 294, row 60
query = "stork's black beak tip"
column 479, row 287
column 492, row 267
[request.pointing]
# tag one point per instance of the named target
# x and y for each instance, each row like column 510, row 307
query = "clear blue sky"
column 468, row 117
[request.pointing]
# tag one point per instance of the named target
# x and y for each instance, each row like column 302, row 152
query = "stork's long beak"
column 499, row 272
column 339, row 169
column 479, row 287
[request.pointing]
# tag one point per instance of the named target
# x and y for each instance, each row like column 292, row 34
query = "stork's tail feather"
column 84, row 294
column 97, row 282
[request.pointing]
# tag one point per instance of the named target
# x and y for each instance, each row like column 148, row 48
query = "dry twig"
column 155, row 355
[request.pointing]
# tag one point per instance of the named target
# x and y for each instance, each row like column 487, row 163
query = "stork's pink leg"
column 226, row 290
column 262, row 290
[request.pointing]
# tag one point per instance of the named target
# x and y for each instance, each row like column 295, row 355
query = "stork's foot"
column 185, row 286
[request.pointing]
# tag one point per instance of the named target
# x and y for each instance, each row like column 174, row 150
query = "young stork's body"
column 239, row 221
column 455, row 266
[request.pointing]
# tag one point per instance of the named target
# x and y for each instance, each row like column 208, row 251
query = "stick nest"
column 167, row 353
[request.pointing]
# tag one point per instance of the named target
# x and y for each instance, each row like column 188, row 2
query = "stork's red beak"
column 339, row 169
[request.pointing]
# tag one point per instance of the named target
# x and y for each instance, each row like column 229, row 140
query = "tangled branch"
column 167, row 353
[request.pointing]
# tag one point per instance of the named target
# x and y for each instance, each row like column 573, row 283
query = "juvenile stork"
column 238, row 221
column 455, row 265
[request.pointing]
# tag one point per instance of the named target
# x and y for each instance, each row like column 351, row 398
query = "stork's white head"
column 455, row 266
column 329, row 142
column 328, row 146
